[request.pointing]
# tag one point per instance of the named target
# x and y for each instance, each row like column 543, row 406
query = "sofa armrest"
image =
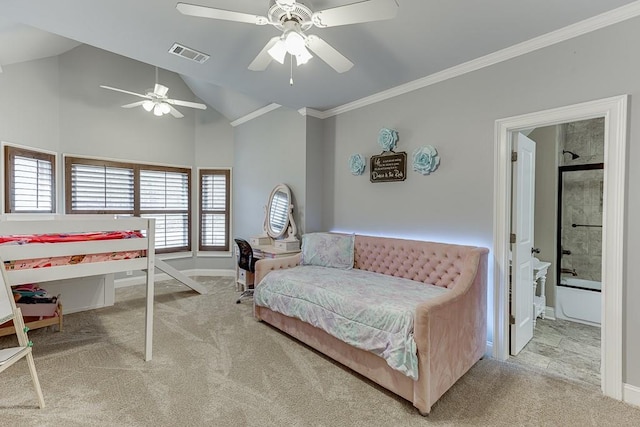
column 450, row 331
column 264, row 266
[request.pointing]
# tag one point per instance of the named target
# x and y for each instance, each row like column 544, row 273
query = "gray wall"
column 30, row 94
column 314, row 175
column 457, row 116
column 268, row 150
column 56, row 104
column 546, row 139
column 93, row 124
column 213, row 150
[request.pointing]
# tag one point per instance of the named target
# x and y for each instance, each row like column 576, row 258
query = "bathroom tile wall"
column 586, row 139
column 582, row 199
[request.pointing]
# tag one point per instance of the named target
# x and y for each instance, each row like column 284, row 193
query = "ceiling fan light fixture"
column 157, row 110
column 164, row 107
column 147, row 105
column 303, row 57
column 294, row 43
column 278, row 51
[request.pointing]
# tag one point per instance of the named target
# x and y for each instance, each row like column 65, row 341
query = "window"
column 29, row 181
column 164, row 195
column 160, row 192
column 214, row 209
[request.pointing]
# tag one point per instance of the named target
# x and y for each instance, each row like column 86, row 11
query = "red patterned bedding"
column 24, row 264
column 69, row 237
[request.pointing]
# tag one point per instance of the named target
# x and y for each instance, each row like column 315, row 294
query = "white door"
column 522, row 216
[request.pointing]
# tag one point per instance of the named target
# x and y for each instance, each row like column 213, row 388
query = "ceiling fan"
column 293, row 19
column 156, row 100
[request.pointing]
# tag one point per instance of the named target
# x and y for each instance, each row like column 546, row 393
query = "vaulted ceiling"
column 425, row 37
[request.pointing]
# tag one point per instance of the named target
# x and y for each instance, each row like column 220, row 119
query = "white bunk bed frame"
column 48, row 224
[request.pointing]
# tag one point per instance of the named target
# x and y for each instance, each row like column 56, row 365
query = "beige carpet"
column 213, row 365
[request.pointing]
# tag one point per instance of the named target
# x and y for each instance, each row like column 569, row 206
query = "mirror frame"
column 289, row 226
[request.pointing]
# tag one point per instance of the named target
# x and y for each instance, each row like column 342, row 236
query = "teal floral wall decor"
column 357, row 164
column 425, row 159
column 387, row 138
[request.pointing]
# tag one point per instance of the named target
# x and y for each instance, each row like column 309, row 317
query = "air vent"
column 188, row 53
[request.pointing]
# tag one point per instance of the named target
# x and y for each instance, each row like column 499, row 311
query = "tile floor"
column 564, row 348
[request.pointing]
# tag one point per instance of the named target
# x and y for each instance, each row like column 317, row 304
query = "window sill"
column 214, row 254
column 175, row 255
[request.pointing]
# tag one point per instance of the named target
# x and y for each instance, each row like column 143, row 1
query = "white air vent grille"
column 188, row 53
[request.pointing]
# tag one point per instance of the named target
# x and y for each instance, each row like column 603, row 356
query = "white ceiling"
column 426, row 37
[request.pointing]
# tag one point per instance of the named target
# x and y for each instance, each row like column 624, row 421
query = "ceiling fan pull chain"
column 291, row 70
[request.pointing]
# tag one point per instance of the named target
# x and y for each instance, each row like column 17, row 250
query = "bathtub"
column 579, row 300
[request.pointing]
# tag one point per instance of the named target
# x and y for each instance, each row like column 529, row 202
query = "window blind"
column 149, row 191
column 166, row 191
column 101, row 188
column 32, row 188
column 214, row 218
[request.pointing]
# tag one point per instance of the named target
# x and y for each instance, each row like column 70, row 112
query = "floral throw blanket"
column 367, row 310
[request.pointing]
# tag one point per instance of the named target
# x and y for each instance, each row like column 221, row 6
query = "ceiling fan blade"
column 175, row 113
column 186, row 104
column 226, row 15
column 364, row 11
column 262, row 61
column 328, row 54
column 133, row 104
column 125, row 91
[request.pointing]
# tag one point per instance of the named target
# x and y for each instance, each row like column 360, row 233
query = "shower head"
column 573, row 155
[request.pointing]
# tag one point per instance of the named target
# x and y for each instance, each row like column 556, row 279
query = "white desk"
column 539, row 278
column 245, row 278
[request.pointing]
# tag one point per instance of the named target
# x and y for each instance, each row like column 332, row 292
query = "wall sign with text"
column 388, row 167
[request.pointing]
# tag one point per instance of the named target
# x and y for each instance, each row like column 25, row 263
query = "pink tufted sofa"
column 450, row 331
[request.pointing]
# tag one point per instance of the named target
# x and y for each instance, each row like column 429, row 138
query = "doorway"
column 565, row 332
column 614, row 112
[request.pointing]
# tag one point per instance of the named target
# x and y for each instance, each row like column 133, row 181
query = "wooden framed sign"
column 388, row 167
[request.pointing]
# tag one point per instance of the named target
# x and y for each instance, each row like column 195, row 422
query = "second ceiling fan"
column 293, row 19
column 156, row 100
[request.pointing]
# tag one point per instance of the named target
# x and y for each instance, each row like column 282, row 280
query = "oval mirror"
column 278, row 211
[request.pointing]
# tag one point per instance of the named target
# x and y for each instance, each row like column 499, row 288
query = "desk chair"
column 247, row 262
column 9, row 356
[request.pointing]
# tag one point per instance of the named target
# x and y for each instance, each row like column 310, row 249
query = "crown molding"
column 313, row 113
column 594, row 23
column 586, row 26
column 255, row 114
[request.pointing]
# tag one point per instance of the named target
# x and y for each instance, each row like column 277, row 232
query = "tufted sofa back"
column 438, row 264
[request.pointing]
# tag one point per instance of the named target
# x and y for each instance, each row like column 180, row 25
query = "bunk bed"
column 137, row 247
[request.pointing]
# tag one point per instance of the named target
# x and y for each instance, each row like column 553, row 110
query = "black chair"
column 247, row 262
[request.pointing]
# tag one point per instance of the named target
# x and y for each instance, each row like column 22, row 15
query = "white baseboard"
column 631, row 394
column 489, row 351
column 140, row 280
column 550, row 313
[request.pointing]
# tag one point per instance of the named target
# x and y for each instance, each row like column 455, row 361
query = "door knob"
column 535, row 250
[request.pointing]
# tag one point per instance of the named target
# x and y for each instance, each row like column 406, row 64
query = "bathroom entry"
column 568, row 191
column 614, row 115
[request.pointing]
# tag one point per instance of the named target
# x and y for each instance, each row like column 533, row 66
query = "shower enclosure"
column 579, row 240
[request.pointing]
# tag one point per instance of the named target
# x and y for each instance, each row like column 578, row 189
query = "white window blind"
column 101, row 188
column 32, row 189
column 166, row 191
column 149, row 191
column 214, row 199
column 172, row 230
column 161, row 190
